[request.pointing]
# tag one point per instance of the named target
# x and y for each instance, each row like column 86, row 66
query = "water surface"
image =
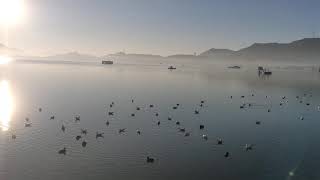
column 285, row 147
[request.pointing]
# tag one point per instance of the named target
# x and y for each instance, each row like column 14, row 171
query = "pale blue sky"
column 161, row 26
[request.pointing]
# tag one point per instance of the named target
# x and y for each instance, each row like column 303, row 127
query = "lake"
column 284, row 146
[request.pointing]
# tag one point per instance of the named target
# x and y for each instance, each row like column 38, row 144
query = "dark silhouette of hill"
column 182, row 56
column 72, row 56
column 217, row 53
column 304, row 49
column 10, row 51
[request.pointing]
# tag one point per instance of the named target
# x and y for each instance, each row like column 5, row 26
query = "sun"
column 11, row 11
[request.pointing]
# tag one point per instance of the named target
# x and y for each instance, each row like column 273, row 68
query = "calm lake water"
column 285, row 146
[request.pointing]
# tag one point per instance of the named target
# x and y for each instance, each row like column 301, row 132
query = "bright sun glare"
column 11, row 11
column 6, row 105
column 5, row 59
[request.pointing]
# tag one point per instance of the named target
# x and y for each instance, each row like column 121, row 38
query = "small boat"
column 260, row 68
column 107, row 62
column 267, row 72
column 234, row 67
column 172, row 68
column 264, row 71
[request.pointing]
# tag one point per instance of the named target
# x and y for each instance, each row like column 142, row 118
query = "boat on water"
column 107, row 62
column 172, row 68
column 267, row 72
column 234, row 67
column 264, row 71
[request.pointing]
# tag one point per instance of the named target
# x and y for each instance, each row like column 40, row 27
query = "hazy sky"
column 160, row 26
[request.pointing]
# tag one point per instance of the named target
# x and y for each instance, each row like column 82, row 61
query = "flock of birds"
column 110, row 113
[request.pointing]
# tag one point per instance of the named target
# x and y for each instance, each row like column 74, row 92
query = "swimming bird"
column 132, row 100
column 201, row 126
column 308, row 104
column 150, row 159
column 40, row 109
column 27, row 124
column 84, row 144
column 248, row 147
column 242, row 96
column 151, row 105
column 138, row 108
column 169, row 118
column 107, row 123
column 177, row 123
column 231, row 97
column 52, row 118
column 132, row 115
column 205, row 137
column 219, row 141
column 187, row 134
column 174, row 107
column 27, row 119
column 302, row 118
column 157, row 114
column 99, row 135
column 78, row 137
column 84, row 131
column 202, row 101
column 138, row 132
column 77, row 118
column 122, row 130
column 158, row 123
column 196, row 112
column 63, row 151
column 63, row 128
column 177, row 104
column 258, row 122
column 269, row 110
column 227, row 154
column 110, row 113
column 182, row 129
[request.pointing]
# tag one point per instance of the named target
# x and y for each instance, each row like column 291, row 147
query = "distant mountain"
column 72, row 56
column 122, row 54
column 217, row 53
column 4, row 50
column 182, row 56
column 304, row 49
column 308, row 48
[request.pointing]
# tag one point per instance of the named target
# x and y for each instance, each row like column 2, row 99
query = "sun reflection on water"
column 6, row 105
column 5, row 59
